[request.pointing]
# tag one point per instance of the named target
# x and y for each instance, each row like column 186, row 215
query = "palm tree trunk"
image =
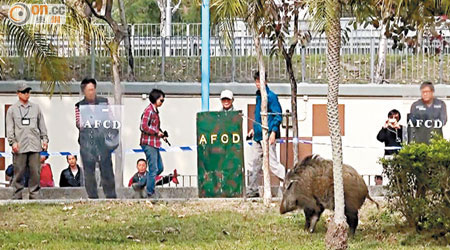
column 336, row 237
column 118, row 159
column 264, row 119
column 380, row 73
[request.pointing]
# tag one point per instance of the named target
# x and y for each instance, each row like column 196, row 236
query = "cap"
column 226, row 94
column 22, row 87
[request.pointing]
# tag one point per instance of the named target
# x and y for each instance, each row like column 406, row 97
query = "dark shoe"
column 156, row 195
column 175, row 177
column 137, row 187
column 253, row 195
column 35, row 196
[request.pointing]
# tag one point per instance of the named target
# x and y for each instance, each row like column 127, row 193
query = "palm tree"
column 326, row 15
column 54, row 68
column 224, row 13
column 32, row 40
column 337, row 234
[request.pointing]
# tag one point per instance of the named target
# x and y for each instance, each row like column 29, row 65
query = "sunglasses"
column 24, row 92
column 161, row 100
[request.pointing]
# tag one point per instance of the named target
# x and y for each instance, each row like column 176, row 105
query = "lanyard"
column 20, row 110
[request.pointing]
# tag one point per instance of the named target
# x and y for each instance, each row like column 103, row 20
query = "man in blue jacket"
column 256, row 154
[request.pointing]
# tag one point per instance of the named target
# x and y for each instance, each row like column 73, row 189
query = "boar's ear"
column 305, row 162
column 309, row 160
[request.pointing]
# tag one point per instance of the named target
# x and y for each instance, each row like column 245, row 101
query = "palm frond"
column 37, row 41
column 224, row 14
column 318, row 14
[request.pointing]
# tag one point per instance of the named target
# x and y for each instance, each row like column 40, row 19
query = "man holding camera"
column 391, row 134
column 151, row 136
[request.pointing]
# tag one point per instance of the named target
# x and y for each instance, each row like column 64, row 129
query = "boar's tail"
column 372, row 200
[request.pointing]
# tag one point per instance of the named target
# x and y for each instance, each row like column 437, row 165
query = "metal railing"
column 177, row 58
column 183, row 181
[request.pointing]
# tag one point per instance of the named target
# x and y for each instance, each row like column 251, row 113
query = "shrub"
column 419, row 185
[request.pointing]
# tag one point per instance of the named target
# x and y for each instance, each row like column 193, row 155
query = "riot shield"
column 100, row 136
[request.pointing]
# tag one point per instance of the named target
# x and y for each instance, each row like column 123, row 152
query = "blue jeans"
column 155, row 166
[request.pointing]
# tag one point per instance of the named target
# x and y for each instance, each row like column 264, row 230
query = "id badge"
column 26, row 121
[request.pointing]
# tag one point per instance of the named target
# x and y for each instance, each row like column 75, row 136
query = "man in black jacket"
column 73, row 175
column 92, row 140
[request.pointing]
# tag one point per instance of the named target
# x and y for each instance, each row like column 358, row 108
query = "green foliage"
column 35, row 41
column 142, row 11
column 190, row 11
column 147, row 11
column 419, row 186
column 224, row 14
column 405, row 20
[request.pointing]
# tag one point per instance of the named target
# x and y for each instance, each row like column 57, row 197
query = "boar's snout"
column 282, row 207
column 288, row 203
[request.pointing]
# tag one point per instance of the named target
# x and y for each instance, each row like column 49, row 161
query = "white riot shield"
column 100, row 136
column 423, row 120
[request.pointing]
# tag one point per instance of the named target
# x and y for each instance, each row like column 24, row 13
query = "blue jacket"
column 274, row 122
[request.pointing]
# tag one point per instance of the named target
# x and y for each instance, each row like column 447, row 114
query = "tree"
column 380, row 74
column 142, row 11
column 224, row 14
column 279, row 16
column 255, row 22
column 406, row 22
column 36, row 40
column 326, row 16
column 147, row 11
column 166, row 10
column 102, row 9
column 337, row 232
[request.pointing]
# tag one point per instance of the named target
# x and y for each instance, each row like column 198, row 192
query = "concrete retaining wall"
column 128, row 193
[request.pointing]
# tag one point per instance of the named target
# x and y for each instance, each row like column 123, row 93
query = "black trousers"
column 106, row 170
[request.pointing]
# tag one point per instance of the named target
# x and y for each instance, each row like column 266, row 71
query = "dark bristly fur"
column 309, row 186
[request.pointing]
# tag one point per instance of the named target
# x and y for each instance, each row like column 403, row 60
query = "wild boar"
column 309, row 186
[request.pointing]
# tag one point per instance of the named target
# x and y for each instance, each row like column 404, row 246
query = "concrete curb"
column 79, row 193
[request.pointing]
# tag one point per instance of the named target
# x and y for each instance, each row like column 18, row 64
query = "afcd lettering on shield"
column 223, row 138
column 108, row 124
column 426, row 123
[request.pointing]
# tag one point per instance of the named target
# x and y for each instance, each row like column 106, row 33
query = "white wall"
column 364, row 116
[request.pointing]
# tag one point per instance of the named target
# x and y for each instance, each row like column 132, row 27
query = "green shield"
column 220, row 154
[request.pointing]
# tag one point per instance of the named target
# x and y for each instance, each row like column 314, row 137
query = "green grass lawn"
column 187, row 225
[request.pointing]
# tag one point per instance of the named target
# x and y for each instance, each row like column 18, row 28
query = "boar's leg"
column 312, row 217
column 315, row 218
column 352, row 220
column 308, row 214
